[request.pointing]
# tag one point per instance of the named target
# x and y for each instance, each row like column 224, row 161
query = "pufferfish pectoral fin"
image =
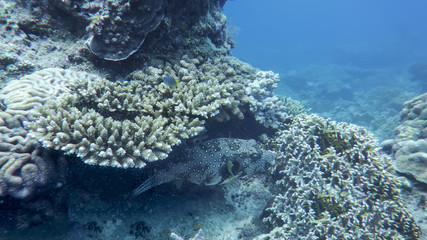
column 231, row 178
column 145, row 186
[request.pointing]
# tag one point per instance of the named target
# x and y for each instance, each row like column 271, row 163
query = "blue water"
column 347, row 60
column 283, row 33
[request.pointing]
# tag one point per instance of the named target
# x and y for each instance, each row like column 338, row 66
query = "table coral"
column 410, row 147
column 334, row 184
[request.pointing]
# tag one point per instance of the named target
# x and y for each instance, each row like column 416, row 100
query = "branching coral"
column 269, row 109
column 334, row 184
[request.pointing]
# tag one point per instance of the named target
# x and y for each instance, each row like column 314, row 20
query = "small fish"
column 213, row 162
column 170, row 81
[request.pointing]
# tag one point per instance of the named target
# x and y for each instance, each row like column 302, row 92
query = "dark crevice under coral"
column 247, row 128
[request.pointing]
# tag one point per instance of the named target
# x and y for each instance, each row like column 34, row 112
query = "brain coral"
column 334, row 184
column 24, row 167
column 411, row 139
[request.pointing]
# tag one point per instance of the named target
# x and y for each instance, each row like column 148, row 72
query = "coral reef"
column 118, row 28
column 10, row 64
column 212, row 162
column 129, row 123
column 24, row 167
column 30, row 39
column 371, row 98
column 263, row 103
column 23, row 95
column 334, row 184
column 410, row 146
column 52, row 33
column 122, row 26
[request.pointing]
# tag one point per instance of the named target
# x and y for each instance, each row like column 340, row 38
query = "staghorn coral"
column 24, row 167
column 410, row 146
column 334, row 184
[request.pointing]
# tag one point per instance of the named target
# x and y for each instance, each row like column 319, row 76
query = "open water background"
column 350, row 60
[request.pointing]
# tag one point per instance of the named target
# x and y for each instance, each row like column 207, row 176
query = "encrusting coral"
column 334, row 184
column 129, row 123
column 119, row 28
column 123, row 26
column 410, row 146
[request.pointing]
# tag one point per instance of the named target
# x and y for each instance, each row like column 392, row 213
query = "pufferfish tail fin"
column 154, row 180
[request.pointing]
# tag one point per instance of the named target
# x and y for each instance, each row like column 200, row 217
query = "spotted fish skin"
column 212, row 162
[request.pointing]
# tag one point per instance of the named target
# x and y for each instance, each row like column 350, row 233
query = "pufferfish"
column 213, row 162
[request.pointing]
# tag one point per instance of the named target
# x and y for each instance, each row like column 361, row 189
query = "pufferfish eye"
column 255, row 156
